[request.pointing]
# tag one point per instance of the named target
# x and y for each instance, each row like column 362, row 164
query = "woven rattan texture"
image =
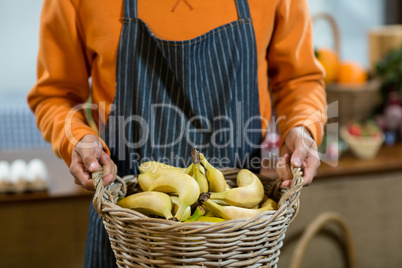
column 140, row 241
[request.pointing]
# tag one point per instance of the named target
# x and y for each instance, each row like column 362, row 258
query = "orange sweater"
column 79, row 39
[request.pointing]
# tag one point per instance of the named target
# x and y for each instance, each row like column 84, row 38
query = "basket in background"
column 140, row 241
column 355, row 102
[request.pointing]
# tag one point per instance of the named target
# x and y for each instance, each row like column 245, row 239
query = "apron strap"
column 242, row 9
column 130, row 9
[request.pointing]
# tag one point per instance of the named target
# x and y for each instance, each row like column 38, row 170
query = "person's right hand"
column 88, row 155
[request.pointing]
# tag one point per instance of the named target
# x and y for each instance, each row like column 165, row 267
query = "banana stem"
column 195, row 155
column 203, row 197
column 199, row 211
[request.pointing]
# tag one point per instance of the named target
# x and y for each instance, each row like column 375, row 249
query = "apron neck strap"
column 242, row 9
column 130, row 9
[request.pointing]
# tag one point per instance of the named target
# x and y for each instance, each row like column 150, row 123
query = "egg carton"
column 20, row 176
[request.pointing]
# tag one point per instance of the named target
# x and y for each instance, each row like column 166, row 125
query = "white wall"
column 354, row 19
column 19, row 37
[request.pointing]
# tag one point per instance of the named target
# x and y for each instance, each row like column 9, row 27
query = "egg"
column 18, row 171
column 37, row 171
column 4, row 171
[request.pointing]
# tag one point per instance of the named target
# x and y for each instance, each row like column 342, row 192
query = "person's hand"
column 88, row 155
column 299, row 150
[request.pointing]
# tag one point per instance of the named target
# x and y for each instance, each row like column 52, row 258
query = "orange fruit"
column 352, row 73
column 330, row 61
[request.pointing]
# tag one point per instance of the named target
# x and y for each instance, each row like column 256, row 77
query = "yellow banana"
column 149, row 203
column 145, row 180
column 182, row 184
column 158, row 168
column 210, row 219
column 249, row 193
column 216, row 180
column 233, row 212
column 175, row 203
column 199, row 177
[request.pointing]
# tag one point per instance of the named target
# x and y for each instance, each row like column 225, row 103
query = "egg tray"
column 23, row 186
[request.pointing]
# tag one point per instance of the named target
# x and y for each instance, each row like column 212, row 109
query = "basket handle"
column 292, row 196
column 99, row 190
column 314, row 228
column 334, row 27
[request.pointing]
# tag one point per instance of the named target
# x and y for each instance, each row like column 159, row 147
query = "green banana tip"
column 200, row 209
column 203, row 197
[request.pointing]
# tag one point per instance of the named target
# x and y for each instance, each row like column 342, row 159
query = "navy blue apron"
column 174, row 95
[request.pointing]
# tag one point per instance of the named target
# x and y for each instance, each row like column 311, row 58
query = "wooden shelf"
column 388, row 159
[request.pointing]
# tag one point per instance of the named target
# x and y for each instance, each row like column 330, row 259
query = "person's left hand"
column 299, row 150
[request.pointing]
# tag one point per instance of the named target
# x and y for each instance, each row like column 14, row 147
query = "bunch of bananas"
column 196, row 193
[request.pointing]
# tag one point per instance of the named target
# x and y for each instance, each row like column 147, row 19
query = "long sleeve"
column 296, row 77
column 63, row 70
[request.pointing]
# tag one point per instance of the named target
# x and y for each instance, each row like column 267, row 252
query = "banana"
column 249, row 193
column 145, row 180
column 149, row 203
column 175, row 203
column 157, row 168
column 182, row 184
column 216, row 180
column 199, row 211
column 210, row 219
column 232, row 212
column 199, row 177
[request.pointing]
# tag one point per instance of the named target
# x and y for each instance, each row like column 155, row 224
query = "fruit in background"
column 329, row 60
column 351, row 73
column 355, row 129
column 366, row 129
column 149, row 203
column 182, row 184
column 249, row 193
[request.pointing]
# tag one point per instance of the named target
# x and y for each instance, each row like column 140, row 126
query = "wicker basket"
column 354, row 102
column 140, row 241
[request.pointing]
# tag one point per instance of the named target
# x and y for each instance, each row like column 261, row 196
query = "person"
column 169, row 75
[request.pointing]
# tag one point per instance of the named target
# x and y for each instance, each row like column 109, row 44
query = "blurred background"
column 44, row 217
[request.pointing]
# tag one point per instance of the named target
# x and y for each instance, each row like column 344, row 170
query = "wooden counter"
column 44, row 229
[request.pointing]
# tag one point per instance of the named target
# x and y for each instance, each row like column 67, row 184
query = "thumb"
column 300, row 153
column 89, row 159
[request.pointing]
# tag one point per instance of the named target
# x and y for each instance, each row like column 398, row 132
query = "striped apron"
column 174, row 95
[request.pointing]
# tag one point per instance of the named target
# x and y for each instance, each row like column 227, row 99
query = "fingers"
column 312, row 163
column 89, row 156
column 109, row 169
column 302, row 148
column 84, row 160
column 81, row 176
column 283, row 168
